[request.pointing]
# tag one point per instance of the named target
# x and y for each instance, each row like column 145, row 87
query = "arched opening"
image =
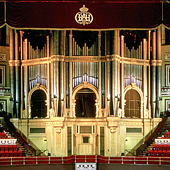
column 133, row 102
column 85, row 103
column 38, row 104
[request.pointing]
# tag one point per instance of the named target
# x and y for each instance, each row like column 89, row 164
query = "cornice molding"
column 53, row 58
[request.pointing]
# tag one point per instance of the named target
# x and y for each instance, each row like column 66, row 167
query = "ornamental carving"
column 84, row 17
column 3, row 57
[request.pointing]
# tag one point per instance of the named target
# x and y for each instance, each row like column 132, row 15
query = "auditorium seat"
column 15, row 147
column 164, row 147
column 156, row 147
column 3, row 135
column 2, row 154
column 11, row 153
column 10, row 147
column 6, row 154
column 15, row 153
column 19, row 153
column 6, row 147
column 168, row 134
column 2, row 147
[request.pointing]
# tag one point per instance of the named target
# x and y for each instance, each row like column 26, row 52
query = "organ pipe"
column 158, row 72
column 12, row 70
column 17, row 86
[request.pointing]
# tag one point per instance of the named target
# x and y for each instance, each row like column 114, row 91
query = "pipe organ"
column 99, row 75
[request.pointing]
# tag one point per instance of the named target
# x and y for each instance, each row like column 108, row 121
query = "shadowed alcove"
column 38, row 104
column 85, row 103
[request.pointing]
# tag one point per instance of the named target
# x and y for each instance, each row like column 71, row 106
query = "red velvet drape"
column 107, row 14
column 62, row 15
column 1, row 13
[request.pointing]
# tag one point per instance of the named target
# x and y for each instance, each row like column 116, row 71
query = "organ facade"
column 85, row 91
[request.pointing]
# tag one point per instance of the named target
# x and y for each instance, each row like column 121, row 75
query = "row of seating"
column 159, row 153
column 161, row 147
column 8, row 148
column 11, row 153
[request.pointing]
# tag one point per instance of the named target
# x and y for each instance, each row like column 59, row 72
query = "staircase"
column 163, row 128
column 23, row 145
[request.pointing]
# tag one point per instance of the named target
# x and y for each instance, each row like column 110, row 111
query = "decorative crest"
column 84, row 17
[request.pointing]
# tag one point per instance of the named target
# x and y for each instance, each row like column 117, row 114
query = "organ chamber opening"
column 38, row 104
column 85, row 103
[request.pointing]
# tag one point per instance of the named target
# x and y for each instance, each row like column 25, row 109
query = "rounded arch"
column 88, row 86
column 31, row 92
column 135, row 100
column 133, row 86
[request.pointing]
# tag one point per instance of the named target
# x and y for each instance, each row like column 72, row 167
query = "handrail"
column 98, row 159
column 18, row 136
column 149, row 140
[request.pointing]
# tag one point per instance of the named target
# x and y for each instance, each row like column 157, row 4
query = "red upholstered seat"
column 168, row 147
column 168, row 153
column 164, row 153
column 168, row 134
column 2, row 147
column 10, row 147
column 160, row 153
column 11, row 153
column 6, row 153
column 156, row 147
column 15, row 153
column 160, row 147
column 3, row 134
column 6, row 147
column 2, row 154
column 164, row 147
column 19, row 153
column 14, row 147
column 151, row 152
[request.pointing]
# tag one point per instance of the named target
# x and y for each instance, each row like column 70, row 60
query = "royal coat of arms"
column 84, row 17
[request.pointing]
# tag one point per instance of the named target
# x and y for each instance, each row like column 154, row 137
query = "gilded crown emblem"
column 84, row 17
